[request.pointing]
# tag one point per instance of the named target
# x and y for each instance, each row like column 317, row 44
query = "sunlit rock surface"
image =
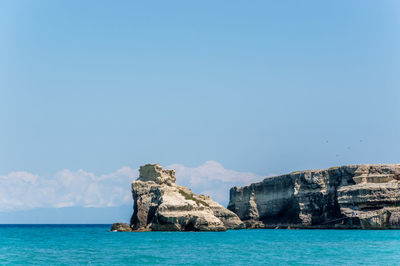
column 161, row 205
column 354, row 196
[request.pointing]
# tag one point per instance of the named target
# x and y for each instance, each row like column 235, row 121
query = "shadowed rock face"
column 161, row 205
column 354, row 196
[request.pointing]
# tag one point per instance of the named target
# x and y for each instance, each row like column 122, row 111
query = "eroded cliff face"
column 354, row 196
column 161, row 205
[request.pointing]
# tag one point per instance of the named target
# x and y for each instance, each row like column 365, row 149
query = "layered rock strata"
column 354, row 196
column 161, row 205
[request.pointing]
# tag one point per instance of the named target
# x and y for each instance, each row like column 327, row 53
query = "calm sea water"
column 94, row 244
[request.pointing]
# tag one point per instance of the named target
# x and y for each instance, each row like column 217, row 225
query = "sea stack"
column 161, row 205
column 346, row 197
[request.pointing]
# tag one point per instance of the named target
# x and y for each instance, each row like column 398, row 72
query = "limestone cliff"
column 161, row 205
column 354, row 196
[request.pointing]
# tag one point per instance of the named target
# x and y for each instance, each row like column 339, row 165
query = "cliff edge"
column 347, row 197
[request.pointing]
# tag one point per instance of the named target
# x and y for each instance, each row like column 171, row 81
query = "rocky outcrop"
column 161, row 205
column 121, row 227
column 354, row 196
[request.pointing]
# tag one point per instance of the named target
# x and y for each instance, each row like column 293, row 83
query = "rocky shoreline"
column 346, row 197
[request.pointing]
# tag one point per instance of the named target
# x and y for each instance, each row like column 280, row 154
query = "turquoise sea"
column 94, row 244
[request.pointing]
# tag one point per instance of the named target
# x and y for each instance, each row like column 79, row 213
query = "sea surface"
column 95, row 244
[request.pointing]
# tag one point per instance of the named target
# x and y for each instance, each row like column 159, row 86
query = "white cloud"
column 24, row 190
column 212, row 179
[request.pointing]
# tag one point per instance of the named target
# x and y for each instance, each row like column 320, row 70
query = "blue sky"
column 257, row 87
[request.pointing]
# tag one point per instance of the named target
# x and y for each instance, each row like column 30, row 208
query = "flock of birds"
column 348, row 147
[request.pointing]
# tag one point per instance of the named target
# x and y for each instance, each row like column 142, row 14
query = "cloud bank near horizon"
column 24, row 190
column 212, row 179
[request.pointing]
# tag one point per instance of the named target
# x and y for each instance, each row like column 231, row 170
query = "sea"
column 95, row 244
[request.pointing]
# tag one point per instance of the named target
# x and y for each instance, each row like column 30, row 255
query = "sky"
column 225, row 92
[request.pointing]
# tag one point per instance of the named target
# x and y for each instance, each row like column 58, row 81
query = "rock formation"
column 354, row 196
column 161, row 205
column 121, row 227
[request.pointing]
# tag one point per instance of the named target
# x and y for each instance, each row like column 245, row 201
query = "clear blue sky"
column 258, row 86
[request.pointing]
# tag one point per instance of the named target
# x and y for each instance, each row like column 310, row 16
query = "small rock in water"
column 121, row 227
